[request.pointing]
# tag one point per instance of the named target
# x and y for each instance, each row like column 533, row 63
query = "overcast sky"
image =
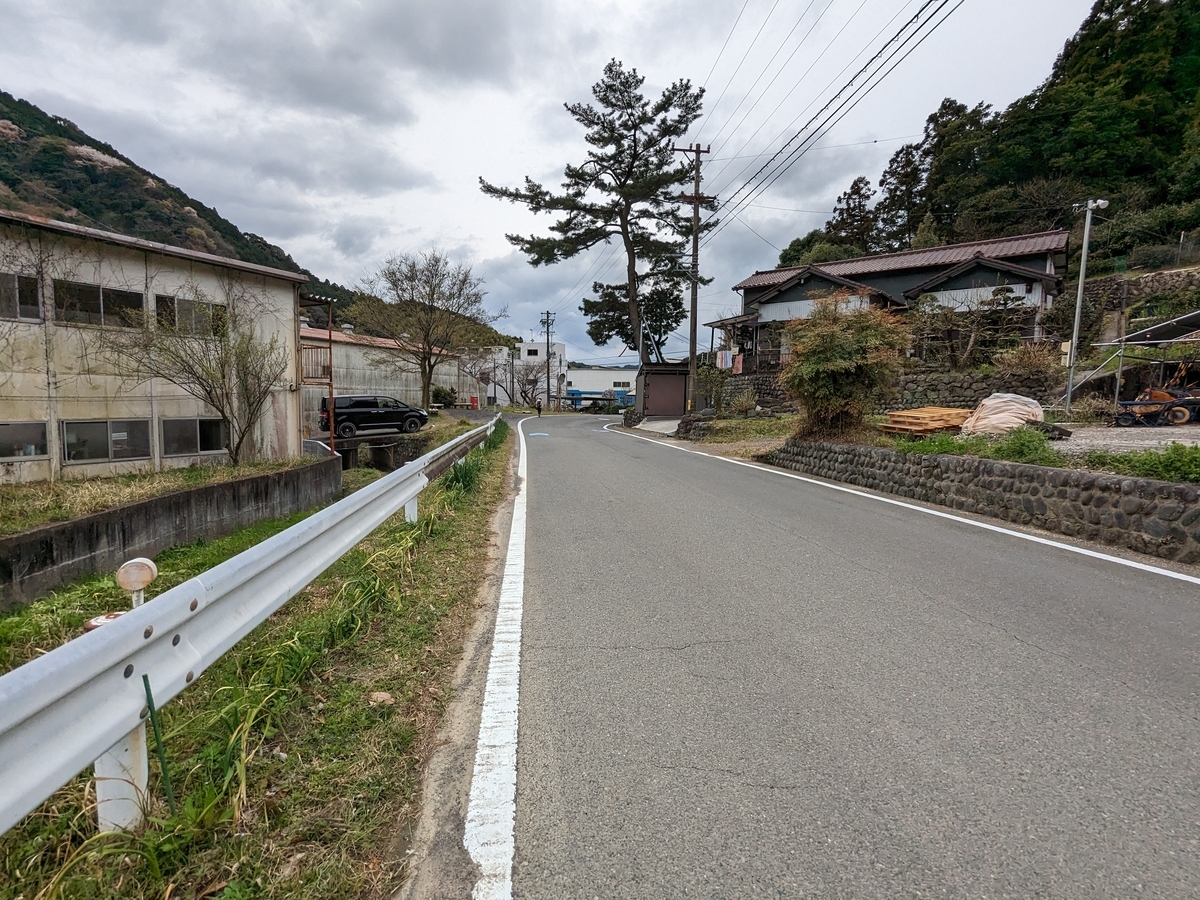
column 348, row 131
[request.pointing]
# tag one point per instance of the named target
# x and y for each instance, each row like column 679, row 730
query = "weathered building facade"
column 1028, row 267
column 68, row 409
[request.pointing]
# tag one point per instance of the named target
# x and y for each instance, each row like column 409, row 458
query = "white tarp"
column 1001, row 413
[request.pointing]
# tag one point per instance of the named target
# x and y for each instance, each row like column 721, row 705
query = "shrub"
column 711, row 382
column 443, row 395
column 1029, row 359
column 743, row 402
column 842, row 362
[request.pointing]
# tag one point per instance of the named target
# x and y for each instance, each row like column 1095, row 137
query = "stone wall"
column 965, row 389
column 765, row 388
column 1154, row 517
column 37, row 561
column 1109, row 287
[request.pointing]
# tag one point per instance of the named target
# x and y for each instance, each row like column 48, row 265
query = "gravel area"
column 1122, row 439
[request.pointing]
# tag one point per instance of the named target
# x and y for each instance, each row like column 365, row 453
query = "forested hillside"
column 49, row 167
column 1118, row 117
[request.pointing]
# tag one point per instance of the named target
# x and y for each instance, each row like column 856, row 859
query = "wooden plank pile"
column 925, row 420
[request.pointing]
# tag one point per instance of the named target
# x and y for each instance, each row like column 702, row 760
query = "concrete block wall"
column 1153, row 517
column 37, row 561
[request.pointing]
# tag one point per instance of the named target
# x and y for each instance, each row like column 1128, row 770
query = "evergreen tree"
column 853, row 222
column 903, row 203
column 627, row 188
column 793, row 253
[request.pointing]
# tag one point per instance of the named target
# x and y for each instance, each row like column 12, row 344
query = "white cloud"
column 345, row 132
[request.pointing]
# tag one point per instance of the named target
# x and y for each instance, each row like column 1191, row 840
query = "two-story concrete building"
column 67, row 408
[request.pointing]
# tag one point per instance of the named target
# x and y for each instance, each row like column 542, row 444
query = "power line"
column 800, row 81
column 779, row 49
column 726, row 44
column 903, row 137
column 878, row 67
column 739, row 67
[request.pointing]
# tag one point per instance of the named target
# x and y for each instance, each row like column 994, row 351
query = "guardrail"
column 62, row 711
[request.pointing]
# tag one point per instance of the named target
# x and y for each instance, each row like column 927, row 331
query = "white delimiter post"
column 122, row 773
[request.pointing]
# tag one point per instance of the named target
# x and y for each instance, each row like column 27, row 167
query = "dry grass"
column 25, row 506
column 293, row 781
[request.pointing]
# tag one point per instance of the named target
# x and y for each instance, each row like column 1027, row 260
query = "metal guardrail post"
column 122, row 772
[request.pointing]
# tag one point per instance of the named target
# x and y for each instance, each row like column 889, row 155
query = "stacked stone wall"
column 965, row 389
column 1153, row 517
column 765, row 387
column 1108, row 288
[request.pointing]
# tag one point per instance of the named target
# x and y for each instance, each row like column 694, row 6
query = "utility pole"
column 695, row 199
column 1087, row 233
column 547, row 322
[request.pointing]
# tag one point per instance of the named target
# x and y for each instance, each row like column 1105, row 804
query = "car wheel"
column 411, row 425
column 347, row 430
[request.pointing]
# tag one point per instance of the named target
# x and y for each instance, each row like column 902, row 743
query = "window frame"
column 19, row 282
column 28, row 456
column 59, row 308
column 196, row 420
column 108, row 445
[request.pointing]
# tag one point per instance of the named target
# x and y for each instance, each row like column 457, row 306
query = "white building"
column 67, row 410
column 604, row 384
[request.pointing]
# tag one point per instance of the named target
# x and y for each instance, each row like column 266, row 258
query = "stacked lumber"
column 925, row 420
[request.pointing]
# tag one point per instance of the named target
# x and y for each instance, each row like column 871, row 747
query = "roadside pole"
column 695, row 199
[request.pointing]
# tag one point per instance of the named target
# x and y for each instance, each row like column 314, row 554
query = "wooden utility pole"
column 695, row 199
column 547, row 322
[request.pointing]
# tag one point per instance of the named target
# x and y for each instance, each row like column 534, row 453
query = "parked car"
column 363, row 412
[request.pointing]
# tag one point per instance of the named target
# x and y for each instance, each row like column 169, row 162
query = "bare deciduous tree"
column 214, row 352
column 427, row 306
column 530, row 380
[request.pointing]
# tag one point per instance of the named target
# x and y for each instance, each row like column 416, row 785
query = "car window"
column 364, row 403
column 389, row 403
column 341, row 402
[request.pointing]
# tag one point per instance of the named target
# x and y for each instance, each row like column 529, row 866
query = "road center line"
column 1082, row 551
column 491, row 809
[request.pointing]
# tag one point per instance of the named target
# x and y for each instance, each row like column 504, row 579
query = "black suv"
column 356, row 412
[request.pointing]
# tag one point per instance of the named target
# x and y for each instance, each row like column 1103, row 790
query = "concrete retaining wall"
column 35, row 562
column 1154, row 517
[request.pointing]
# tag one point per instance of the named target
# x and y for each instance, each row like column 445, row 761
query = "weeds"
column 25, row 506
column 1021, row 445
column 291, row 779
column 1178, row 462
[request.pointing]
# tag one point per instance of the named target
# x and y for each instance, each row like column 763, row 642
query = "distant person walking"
column 539, row 407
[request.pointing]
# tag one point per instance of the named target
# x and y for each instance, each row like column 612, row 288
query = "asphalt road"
column 735, row 684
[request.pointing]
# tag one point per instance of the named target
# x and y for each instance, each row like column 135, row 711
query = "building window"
column 106, row 440
column 89, row 304
column 19, row 439
column 620, row 384
column 568, row 384
column 188, row 316
column 531, row 352
column 187, row 437
column 19, row 297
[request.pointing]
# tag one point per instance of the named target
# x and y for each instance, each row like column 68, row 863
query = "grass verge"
column 1176, row 463
column 729, row 431
column 296, row 757
column 25, row 506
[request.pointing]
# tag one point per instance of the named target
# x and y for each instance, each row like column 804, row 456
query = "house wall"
column 55, row 372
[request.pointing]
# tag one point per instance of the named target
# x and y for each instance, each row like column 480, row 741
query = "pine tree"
column 853, row 222
column 903, row 202
column 627, row 188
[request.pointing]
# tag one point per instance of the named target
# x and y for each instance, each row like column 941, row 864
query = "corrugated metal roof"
column 999, row 248
column 124, row 240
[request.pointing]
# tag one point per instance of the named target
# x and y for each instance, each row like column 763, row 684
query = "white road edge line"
column 491, row 809
column 1082, row 551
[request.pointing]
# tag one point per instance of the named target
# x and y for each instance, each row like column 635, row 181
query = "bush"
column 743, row 402
column 842, row 362
column 1029, row 359
column 443, row 395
